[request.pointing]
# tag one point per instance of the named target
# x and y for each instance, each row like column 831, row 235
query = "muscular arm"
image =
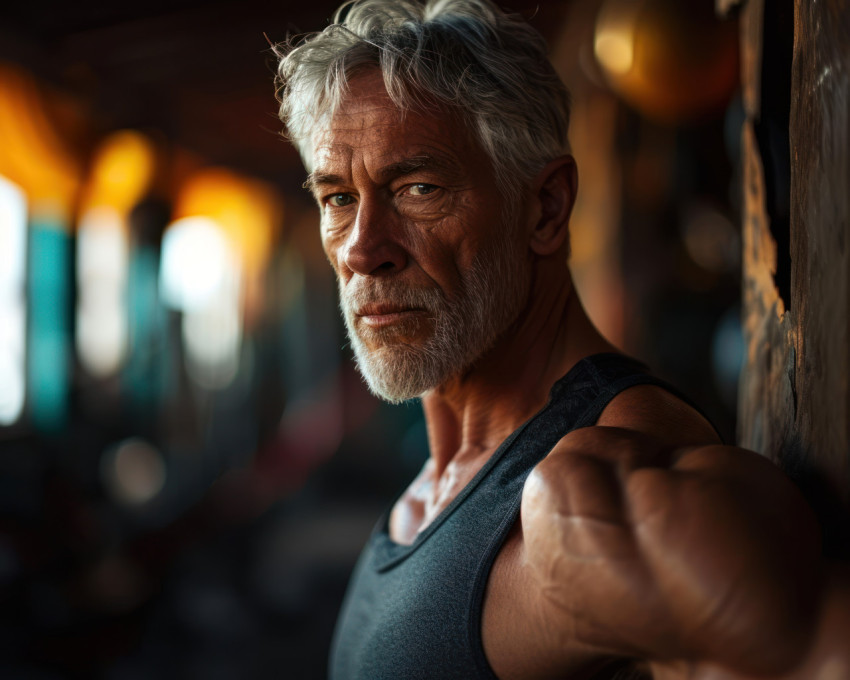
column 705, row 554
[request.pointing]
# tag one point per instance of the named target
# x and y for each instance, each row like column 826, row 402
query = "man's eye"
column 340, row 200
column 421, row 189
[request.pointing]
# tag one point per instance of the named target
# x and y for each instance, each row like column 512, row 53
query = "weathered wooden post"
column 794, row 402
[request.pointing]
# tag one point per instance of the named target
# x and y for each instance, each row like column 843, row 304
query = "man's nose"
column 373, row 246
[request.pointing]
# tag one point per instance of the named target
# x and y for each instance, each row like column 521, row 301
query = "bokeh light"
column 101, row 329
column 13, row 229
column 673, row 61
column 33, row 154
column 122, row 168
column 196, row 260
column 133, row 472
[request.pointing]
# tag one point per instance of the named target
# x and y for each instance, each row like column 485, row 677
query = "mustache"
column 361, row 293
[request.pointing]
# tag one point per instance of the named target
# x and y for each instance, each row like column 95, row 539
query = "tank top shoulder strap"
column 601, row 377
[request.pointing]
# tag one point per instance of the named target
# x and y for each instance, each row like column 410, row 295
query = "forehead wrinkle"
column 321, row 156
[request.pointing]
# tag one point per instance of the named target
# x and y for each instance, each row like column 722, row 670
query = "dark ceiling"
column 200, row 72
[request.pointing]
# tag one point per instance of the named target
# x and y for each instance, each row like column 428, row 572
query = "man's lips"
column 383, row 314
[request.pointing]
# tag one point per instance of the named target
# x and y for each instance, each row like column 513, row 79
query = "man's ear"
column 555, row 192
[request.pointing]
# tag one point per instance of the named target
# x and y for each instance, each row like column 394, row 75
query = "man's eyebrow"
column 316, row 179
column 405, row 166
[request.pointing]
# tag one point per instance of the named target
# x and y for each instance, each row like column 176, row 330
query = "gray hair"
column 465, row 55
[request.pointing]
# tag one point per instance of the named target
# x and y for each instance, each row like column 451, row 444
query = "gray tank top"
column 414, row 611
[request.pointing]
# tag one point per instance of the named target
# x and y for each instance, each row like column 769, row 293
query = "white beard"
column 493, row 292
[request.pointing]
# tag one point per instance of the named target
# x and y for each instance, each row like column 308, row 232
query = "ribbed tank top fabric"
column 414, row 611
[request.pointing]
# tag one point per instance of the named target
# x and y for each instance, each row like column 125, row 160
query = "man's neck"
column 470, row 415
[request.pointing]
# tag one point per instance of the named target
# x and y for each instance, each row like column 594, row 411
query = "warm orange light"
column 122, row 171
column 614, row 42
column 673, row 61
column 615, row 51
column 31, row 153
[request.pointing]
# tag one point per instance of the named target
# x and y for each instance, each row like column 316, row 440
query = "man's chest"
column 427, row 497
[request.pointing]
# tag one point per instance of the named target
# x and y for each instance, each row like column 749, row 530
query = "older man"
column 577, row 517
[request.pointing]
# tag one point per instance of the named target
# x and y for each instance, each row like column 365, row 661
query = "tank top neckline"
column 389, row 553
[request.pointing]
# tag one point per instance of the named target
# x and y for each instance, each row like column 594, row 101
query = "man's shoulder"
column 645, row 426
column 656, row 412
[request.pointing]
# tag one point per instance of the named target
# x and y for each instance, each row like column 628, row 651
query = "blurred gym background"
column 188, row 462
